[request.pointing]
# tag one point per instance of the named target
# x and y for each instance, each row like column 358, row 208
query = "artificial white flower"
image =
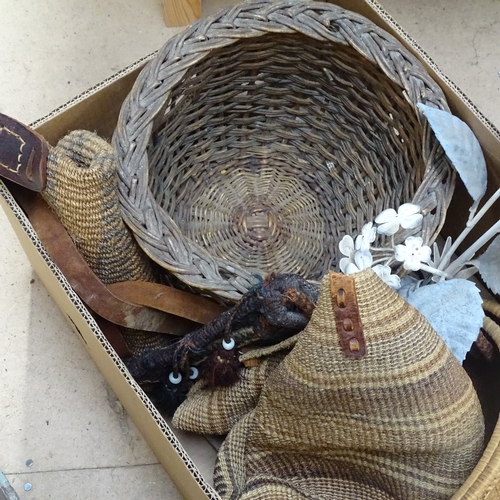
column 412, row 253
column 362, row 260
column 408, row 216
column 343, row 263
column 367, row 236
column 384, row 273
column 346, row 247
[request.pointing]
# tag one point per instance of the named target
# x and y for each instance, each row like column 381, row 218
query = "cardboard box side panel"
column 460, row 105
column 150, row 423
column 96, row 110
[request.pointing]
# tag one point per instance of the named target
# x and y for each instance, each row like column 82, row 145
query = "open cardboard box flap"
column 97, row 110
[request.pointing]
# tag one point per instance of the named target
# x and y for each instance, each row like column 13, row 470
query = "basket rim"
column 322, row 21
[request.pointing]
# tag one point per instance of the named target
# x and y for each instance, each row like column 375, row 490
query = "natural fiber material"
column 215, row 411
column 139, row 341
column 260, row 136
column 483, row 364
column 403, row 422
column 82, row 189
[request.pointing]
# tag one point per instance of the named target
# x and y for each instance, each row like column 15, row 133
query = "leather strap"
column 137, row 305
column 23, row 154
column 348, row 322
column 167, row 299
column 120, row 305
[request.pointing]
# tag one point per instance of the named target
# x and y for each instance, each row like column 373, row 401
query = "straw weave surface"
column 484, row 482
column 260, row 136
column 82, row 189
column 403, row 422
column 215, row 411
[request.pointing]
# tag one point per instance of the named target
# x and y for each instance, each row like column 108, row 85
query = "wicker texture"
column 484, row 482
column 402, row 422
column 215, row 411
column 82, row 189
column 260, row 136
column 139, row 341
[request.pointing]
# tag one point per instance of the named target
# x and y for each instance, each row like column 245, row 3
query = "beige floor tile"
column 53, row 50
column 145, row 482
column 463, row 39
column 55, row 408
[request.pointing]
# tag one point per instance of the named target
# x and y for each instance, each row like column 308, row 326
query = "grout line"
column 6, row 490
column 78, row 469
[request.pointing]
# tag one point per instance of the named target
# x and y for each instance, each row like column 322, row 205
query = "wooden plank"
column 181, row 12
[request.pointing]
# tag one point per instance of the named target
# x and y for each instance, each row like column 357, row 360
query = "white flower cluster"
column 413, row 253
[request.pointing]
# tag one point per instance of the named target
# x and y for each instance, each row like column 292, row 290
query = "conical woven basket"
column 260, row 136
column 395, row 417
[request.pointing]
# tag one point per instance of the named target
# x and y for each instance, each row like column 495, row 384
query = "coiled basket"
column 258, row 137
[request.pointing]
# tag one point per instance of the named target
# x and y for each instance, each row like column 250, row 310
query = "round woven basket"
column 258, row 137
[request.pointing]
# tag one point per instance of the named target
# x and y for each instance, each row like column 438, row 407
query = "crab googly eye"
column 228, row 345
column 175, row 379
column 193, row 372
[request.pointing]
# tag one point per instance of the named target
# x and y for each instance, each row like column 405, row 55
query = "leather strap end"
column 347, row 319
column 23, row 154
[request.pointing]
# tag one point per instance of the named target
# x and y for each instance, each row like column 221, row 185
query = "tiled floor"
column 55, row 408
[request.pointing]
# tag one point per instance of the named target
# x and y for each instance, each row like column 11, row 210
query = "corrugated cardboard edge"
column 372, row 10
column 460, row 105
column 104, row 95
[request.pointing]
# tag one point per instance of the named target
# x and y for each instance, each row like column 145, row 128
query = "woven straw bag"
column 260, row 136
column 484, row 482
column 208, row 410
column 82, row 189
column 369, row 405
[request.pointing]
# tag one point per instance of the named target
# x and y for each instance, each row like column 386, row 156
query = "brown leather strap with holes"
column 345, row 307
column 120, row 306
column 23, row 154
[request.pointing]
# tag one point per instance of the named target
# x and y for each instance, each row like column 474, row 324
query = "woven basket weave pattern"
column 484, row 482
column 403, row 422
column 209, row 411
column 82, row 189
column 241, row 152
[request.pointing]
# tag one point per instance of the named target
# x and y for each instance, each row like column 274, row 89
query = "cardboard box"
column 97, row 110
